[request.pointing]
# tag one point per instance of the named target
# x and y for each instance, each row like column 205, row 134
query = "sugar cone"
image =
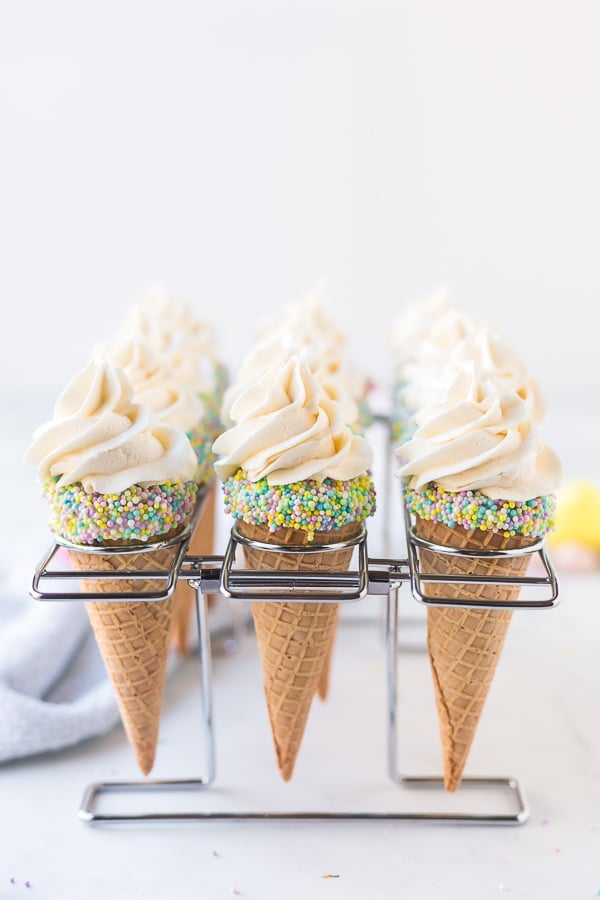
column 294, row 639
column 465, row 644
column 202, row 543
column 323, row 685
column 133, row 640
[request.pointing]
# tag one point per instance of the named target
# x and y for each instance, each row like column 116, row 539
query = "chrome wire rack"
column 372, row 576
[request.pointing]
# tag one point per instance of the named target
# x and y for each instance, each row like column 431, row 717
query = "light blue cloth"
column 54, row 690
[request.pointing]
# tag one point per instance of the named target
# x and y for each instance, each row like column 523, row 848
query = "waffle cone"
column 133, row 640
column 294, row 639
column 323, row 685
column 202, row 543
column 465, row 644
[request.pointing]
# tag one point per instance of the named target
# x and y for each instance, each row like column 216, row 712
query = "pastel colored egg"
column 577, row 515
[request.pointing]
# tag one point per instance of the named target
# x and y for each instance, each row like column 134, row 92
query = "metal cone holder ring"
column 219, row 574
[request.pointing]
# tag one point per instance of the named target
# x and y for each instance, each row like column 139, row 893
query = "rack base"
column 89, row 812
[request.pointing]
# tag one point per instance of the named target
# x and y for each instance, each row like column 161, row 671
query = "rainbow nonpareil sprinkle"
column 472, row 510
column 310, row 506
column 202, row 447
column 203, row 437
column 137, row 514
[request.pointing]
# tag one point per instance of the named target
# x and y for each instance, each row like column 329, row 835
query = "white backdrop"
column 237, row 151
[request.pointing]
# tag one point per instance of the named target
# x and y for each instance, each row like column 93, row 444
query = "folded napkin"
column 54, row 690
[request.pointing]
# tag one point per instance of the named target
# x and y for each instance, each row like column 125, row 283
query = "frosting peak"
column 429, row 321
column 186, row 343
column 304, row 330
column 480, row 436
column 101, row 439
column 154, row 384
column 494, row 356
column 287, row 429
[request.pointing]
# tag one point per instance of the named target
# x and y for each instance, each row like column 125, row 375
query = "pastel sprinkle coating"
column 310, row 506
column 210, row 427
column 472, row 509
column 203, row 437
column 202, row 446
column 365, row 413
column 137, row 514
column 211, row 421
column 402, row 418
column 403, row 427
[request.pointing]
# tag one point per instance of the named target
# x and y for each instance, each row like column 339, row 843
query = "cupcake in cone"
column 476, row 477
column 185, row 347
column 176, row 403
column 306, row 330
column 294, row 474
column 118, row 479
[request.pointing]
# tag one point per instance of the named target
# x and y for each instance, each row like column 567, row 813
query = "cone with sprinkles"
column 280, row 465
column 115, row 479
column 469, row 450
column 295, row 639
column 169, row 356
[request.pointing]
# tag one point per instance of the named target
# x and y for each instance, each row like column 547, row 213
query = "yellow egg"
column 577, row 514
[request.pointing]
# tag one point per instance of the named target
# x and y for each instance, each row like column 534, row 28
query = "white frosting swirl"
column 309, row 321
column 452, row 345
column 433, row 319
column 304, row 329
column 100, row 438
column 289, row 429
column 276, row 351
column 154, row 385
column 185, row 343
column 479, row 437
column 423, row 337
column 493, row 356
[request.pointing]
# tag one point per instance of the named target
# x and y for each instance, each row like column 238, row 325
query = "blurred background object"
column 575, row 544
column 238, row 151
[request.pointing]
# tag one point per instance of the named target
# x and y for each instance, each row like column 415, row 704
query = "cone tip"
column 145, row 760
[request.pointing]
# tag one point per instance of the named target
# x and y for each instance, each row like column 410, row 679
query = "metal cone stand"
column 219, row 574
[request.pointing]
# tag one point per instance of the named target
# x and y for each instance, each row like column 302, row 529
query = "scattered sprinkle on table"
column 234, row 890
column 545, row 821
column 329, row 875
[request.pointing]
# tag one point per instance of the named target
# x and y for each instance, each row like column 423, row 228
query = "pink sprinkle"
column 234, row 890
column 545, row 821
